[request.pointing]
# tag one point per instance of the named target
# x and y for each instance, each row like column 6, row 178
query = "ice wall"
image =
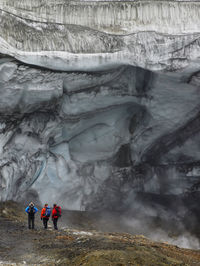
column 157, row 35
column 174, row 17
column 99, row 100
column 97, row 136
column 70, row 47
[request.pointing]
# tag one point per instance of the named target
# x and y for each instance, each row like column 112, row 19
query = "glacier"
column 99, row 101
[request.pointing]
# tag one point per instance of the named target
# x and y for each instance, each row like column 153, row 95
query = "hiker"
column 31, row 210
column 56, row 213
column 45, row 214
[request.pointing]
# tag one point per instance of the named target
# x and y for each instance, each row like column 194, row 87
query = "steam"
column 163, row 224
column 182, row 240
column 175, row 223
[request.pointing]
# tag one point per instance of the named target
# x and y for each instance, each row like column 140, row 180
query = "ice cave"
column 100, row 103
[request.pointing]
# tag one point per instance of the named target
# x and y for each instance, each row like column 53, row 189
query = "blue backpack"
column 48, row 212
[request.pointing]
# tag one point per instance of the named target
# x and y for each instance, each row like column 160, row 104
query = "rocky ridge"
column 80, row 245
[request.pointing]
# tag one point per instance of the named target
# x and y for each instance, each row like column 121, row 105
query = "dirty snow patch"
column 83, row 233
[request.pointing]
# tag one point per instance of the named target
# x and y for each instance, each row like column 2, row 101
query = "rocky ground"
column 78, row 243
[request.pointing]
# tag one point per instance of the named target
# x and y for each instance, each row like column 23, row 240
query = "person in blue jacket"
column 31, row 210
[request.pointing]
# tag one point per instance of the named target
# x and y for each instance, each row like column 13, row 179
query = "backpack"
column 31, row 211
column 58, row 211
column 47, row 212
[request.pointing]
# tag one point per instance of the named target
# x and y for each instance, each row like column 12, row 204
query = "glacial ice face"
column 45, row 34
column 25, row 89
column 124, row 118
column 78, row 148
column 73, row 47
column 116, row 17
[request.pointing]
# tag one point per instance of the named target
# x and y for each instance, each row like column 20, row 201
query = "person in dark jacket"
column 45, row 214
column 56, row 213
column 31, row 210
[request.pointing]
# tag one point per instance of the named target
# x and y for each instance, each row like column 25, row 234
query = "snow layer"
column 75, row 47
column 174, row 17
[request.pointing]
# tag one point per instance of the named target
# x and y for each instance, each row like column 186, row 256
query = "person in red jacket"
column 45, row 214
column 56, row 213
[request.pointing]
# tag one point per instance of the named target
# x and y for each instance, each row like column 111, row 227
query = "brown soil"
column 70, row 246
